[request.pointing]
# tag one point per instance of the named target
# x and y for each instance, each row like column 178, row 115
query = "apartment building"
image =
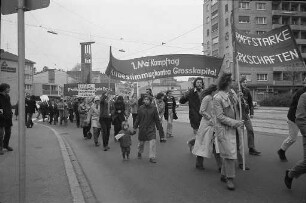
column 255, row 17
column 9, row 74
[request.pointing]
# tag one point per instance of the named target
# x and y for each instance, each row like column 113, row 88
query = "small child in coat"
column 124, row 137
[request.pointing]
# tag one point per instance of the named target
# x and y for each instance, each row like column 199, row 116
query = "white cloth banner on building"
column 124, row 89
column 86, row 90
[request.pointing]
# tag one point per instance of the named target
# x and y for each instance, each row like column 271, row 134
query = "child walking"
column 124, row 137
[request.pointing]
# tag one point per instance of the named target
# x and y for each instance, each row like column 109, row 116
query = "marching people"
column 43, row 109
column 293, row 128
column 227, row 127
column 105, row 118
column 83, row 111
column 160, row 104
column 170, row 105
column 194, row 102
column 127, row 107
column 70, row 109
column 63, row 111
column 30, row 110
column 125, row 140
column 76, row 104
column 93, row 118
column 300, row 167
column 6, row 116
column 118, row 114
column 148, row 92
column 146, row 120
column 205, row 143
column 134, row 106
column 247, row 113
column 52, row 112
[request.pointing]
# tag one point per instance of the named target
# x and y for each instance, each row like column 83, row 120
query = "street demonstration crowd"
column 214, row 115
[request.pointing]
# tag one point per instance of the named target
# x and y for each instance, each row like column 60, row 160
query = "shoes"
column 1, row 152
column 169, row 136
column 241, row 167
column 254, row 152
column 163, row 140
column 230, row 184
column 97, row 144
column 282, row 155
column 288, row 180
column 152, row 160
column 107, row 147
column 223, row 178
column 200, row 167
column 8, row 148
column 139, row 155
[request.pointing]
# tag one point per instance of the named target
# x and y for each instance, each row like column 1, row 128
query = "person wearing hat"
column 93, row 116
column 247, row 113
column 293, row 128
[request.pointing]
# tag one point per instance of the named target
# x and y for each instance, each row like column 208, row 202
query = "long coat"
column 194, row 102
column 93, row 116
column 83, row 110
column 6, row 114
column 147, row 119
column 226, row 115
column 204, row 139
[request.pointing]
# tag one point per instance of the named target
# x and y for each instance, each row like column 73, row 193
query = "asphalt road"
column 174, row 177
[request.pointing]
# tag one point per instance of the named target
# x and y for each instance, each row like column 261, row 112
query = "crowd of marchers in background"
column 217, row 116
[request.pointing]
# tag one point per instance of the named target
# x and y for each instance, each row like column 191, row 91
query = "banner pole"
column 240, row 115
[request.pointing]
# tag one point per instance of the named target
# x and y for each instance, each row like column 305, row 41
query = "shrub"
column 280, row 100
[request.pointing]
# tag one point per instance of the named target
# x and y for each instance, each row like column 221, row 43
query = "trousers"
column 152, row 148
column 293, row 133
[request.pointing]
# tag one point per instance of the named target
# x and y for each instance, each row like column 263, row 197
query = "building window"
column 214, row 27
column 207, row 19
column 215, row 40
column 226, row 21
column 214, row 14
column 261, row 20
column 260, row 32
column 226, row 36
column 53, row 88
column 244, row 5
column 208, row 45
column 28, row 87
column 226, row 8
column 207, row 8
column 207, row 32
column 261, row 6
column 244, row 19
column 262, row 77
column 215, row 52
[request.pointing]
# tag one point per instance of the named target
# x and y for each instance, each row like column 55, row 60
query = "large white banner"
column 86, row 90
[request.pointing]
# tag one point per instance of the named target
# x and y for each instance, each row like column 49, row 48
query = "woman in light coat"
column 227, row 127
column 205, row 140
column 93, row 117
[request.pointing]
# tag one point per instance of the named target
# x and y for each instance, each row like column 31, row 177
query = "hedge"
column 279, row 100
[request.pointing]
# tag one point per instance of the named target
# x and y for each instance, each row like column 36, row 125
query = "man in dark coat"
column 30, row 110
column 193, row 98
column 247, row 113
column 6, row 116
column 147, row 118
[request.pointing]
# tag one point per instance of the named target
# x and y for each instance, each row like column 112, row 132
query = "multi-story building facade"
column 255, row 17
column 51, row 82
column 9, row 74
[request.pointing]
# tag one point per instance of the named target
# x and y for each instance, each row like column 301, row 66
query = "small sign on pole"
column 10, row 6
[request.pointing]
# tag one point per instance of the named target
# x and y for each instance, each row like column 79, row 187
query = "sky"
column 139, row 27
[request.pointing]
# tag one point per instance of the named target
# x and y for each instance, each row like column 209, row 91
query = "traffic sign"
column 10, row 6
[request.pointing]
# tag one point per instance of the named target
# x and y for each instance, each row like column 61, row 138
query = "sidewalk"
column 46, row 179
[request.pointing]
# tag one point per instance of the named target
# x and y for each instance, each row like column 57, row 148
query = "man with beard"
column 193, row 97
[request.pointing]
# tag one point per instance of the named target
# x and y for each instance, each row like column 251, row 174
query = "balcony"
column 298, row 27
column 287, row 13
column 300, row 41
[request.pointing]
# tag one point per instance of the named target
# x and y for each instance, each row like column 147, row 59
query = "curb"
column 76, row 191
